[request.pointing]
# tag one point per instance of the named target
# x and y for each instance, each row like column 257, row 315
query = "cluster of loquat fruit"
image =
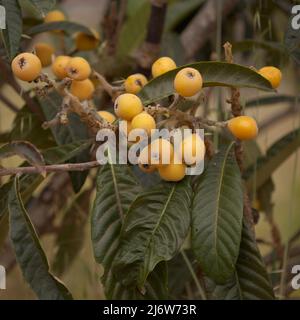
column 128, row 106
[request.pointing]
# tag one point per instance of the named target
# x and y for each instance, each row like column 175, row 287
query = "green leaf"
column 250, row 281
column 65, row 152
column 74, row 131
column 217, row 216
column 133, row 31
column 156, row 287
column 275, row 156
column 213, row 73
column 270, row 100
column 70, row 238
column 13, row 32
column 154, row 229
column 43, row 6
column 29, row 253
column 179, row 11
column 116, row 189
column 67, row 26
column 25, row 150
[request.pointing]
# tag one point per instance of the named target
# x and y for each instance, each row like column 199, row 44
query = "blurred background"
column 188, row 30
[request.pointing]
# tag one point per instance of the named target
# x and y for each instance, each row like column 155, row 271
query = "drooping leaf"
column 217, row 214
column 23, row 149
column 250, row 280
column 179, row 11
column 29, row 253
column 133, row 31
column 213, row 73
column 70, row 238
column 65, row 134
column 67, row 26
column 13, row 31
column 154, row 229
column 272, row 100
column 43, row 6
column 116, row 189
column 275, row 156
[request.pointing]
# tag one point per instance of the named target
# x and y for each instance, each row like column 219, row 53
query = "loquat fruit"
column 172, row 172
column 243, row 127
column 109, row 117
column 83, row 90
column 162, row 65
column 192, row 149
column 127, row 106
column 135, row 82
column 26, row 66
column 78, row 68
column 59, row 66
column 188, row 82
column 44, row 52
column 272, row 74
column 54, row 16
column 143, row 121
column 86, row 42
column 147, row 168
column 162, row 151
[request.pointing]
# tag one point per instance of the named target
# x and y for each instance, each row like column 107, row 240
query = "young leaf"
column 43, row 6
column 13, row 32
column 217, row 213
column 154, row 229
column 250, row 280
column 275, row 156
column 116, row 189
column 29, row 253
column 67, row 26
column 213, row 73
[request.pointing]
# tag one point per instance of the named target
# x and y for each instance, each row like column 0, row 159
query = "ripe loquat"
column 109, row 117
column 188, row 82
column 172, row 172
column 86, row 42
column 272, row 74
column 243, row 127
column 147, row 168
column 143, row 121
column 192, row 149
column 54, row 16
column 135, row 82
column 162, row 65
column 83, row 90
column 78, row 68
column 44, row 52
column 26, row 66
column 59, row 66
column 127, row 106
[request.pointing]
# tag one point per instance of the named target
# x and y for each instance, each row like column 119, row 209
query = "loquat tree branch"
column 50, row 168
